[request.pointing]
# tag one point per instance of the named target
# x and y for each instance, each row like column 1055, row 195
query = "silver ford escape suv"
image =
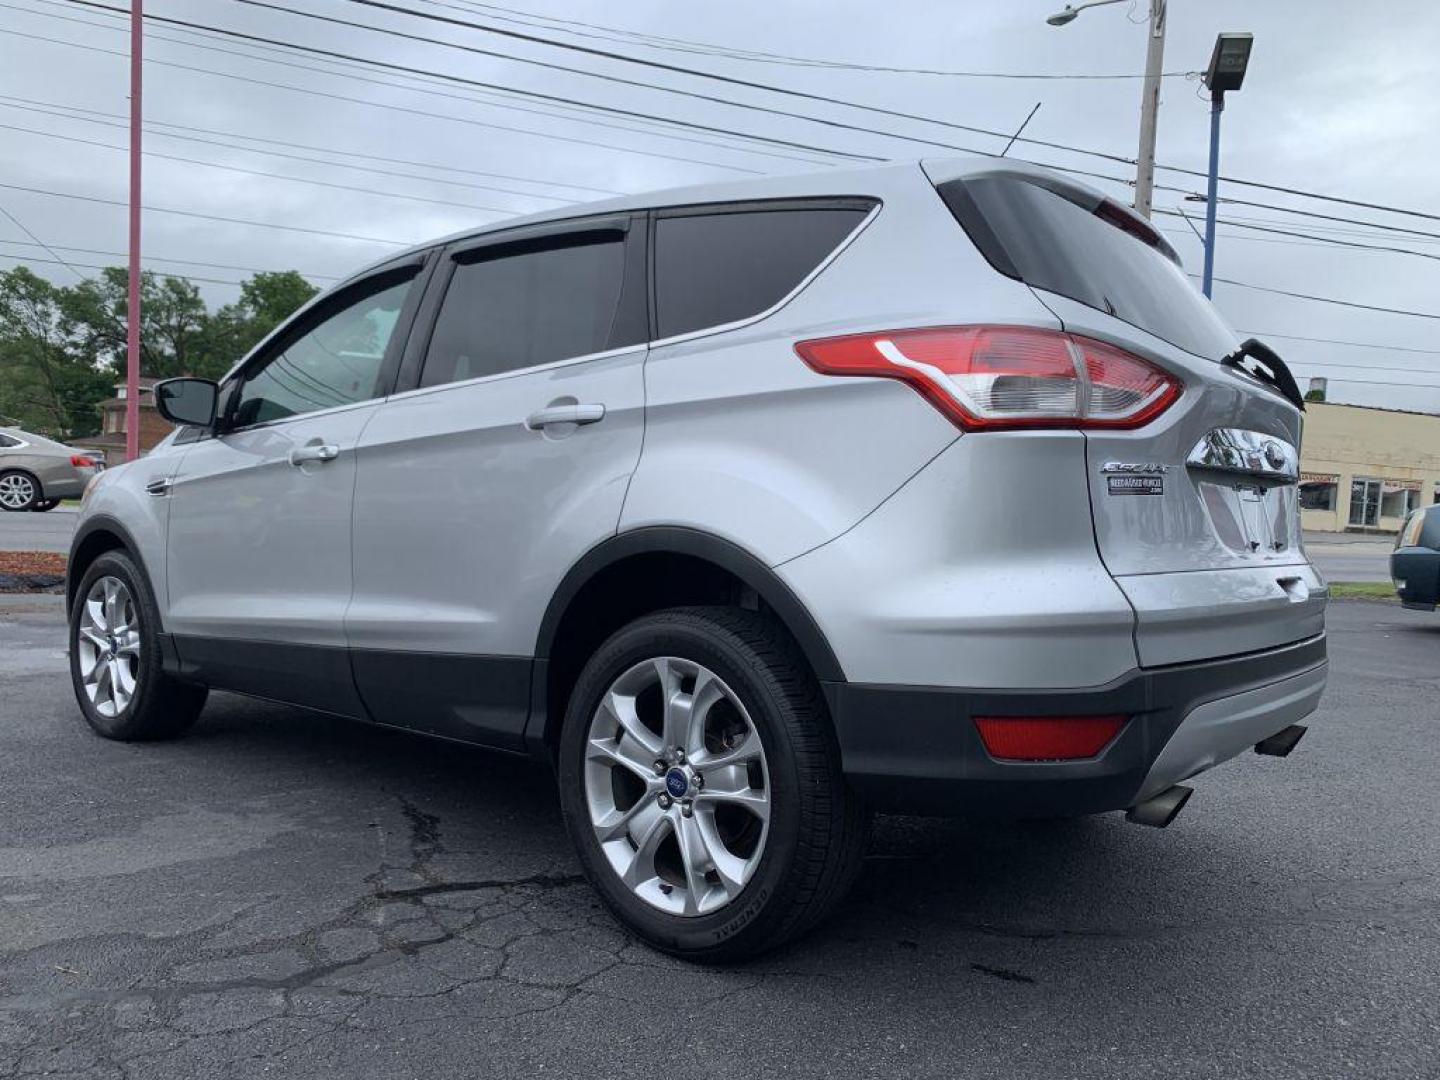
column 752, row 508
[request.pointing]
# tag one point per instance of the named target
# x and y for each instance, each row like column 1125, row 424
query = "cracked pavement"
column 285, row 894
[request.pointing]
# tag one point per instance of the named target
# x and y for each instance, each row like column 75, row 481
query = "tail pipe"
column 1282, row 742
column 1160, row 810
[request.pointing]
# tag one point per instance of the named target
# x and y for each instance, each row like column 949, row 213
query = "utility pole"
column 1149, row 110
column 132, row 307
column 1149, row 99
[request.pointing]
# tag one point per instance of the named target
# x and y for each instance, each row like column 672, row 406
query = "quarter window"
column 717, row 268
column 336, row 362
column 507, row 309
column 7, row 443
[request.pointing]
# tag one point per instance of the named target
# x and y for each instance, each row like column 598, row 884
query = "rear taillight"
column 81, row 462
column 1047, row 738
column 987, row 378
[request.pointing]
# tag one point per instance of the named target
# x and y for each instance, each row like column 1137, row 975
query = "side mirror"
column 187, row 401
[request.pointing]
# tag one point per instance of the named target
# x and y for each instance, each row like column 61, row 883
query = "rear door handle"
column 314, row 452
column 565, row 414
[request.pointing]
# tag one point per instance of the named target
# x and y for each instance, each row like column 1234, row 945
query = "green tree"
column 266, row 300
column 173, row 321
column 62, row 349
column 47, row 385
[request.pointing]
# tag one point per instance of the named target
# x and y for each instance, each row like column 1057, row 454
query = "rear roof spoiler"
column 1269, row 369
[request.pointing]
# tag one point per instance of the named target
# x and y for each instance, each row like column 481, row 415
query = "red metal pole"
column 132, row 320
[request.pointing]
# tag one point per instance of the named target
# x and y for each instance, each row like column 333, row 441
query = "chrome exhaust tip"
column 1160, row 810
column 1282, row 742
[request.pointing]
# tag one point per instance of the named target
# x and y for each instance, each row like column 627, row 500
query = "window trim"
column 415, row 268
column 839, row 202
column 633, row 304
column 17, row 443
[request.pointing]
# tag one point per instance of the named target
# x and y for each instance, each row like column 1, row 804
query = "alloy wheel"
column 16, row 491
column 108, row 646
column 677, row 786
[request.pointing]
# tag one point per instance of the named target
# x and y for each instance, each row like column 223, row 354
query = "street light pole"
column 132, row 307
column 1149, row 98
column 1217, row 106
column 1228, row 63
column 1150, row 110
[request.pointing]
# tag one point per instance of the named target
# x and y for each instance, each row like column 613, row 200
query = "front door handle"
column 159, row 486
column 565, row 414
column 314, row 452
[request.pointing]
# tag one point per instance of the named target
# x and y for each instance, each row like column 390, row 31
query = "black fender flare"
column 678, row 540
column 91, row 526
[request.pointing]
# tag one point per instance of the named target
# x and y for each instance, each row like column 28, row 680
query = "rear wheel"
column 18, row 491
column 115, row 661
column 701, row 784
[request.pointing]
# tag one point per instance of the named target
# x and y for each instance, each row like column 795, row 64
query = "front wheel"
column 115, row 664
column 701, row 784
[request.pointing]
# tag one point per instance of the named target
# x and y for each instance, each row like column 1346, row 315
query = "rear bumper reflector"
column 1047, row 738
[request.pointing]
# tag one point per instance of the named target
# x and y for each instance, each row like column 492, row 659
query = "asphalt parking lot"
column 282, row 894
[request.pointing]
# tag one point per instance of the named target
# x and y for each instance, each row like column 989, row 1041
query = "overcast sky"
column 1340, row 99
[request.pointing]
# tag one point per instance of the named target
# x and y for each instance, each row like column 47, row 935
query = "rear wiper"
column 1269, row 369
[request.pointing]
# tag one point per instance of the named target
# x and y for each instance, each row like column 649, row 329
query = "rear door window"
column 715, row 266
column 1088, row 249
column 509, row 307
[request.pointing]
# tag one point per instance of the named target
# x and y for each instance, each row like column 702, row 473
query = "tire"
column 747, row 678
column 114, row 605
column 44, row 506
column 19, row 491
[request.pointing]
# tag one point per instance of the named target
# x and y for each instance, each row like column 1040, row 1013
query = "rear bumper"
column 916, row 749
column 1419, row 569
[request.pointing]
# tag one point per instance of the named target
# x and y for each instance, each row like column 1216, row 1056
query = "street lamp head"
column 1060, row 18
column 1228, row 63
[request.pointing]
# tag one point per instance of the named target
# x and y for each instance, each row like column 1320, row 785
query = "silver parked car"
column 37, row 473
column 752, row 508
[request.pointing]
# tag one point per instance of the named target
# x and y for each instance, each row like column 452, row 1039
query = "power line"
column 611, row 55
column 38, row 242
column 438, row 116
column 1311, row 236
column 422, row 77
column 535, row 94
column 1328, row 217
column 24, row 259
column 116, row 120
column 1325, row 299
column 706, row 49
column 259, row 172
column 206, row 217
column 53, row 248
column 1332, row 341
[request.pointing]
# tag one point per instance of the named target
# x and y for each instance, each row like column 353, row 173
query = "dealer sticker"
column 1136, row 485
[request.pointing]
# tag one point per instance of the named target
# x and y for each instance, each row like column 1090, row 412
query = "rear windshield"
column 1077, row 244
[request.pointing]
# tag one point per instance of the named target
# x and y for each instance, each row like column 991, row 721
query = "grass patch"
column 1363, row 590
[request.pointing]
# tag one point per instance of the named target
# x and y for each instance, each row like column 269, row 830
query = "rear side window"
column 1083, row 247
column 7, row 443
column 717, row 268
column 509, row 309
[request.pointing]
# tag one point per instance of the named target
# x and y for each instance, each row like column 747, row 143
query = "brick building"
column 111, row 441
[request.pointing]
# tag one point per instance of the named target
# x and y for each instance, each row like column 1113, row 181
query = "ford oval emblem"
column 1275, row 456
column 677, row 783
